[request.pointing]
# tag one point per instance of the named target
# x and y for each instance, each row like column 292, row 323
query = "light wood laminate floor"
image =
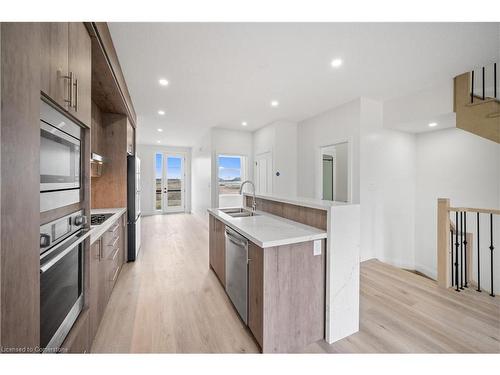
column 168, row 301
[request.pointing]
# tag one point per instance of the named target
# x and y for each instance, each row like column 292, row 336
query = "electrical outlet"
column 317, row 247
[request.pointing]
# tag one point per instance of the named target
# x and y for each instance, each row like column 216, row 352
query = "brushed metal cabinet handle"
column 69, row 77
column 100, row 248
column 76, row 95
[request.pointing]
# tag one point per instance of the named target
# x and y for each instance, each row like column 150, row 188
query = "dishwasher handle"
column 235, row 238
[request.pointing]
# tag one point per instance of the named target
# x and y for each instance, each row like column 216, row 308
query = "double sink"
column 239, row 212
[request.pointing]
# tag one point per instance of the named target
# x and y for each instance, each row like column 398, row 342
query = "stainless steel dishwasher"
column 237, row 270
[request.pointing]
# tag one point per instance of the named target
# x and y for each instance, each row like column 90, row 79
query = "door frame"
column 319, row 166
column 269, row 156
column 165, row 208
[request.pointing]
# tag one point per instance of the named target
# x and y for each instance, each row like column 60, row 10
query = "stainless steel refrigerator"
column 134, row 206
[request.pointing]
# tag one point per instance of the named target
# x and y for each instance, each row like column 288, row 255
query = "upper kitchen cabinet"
column 80, row 65
column 66, row 67
column 54, row 62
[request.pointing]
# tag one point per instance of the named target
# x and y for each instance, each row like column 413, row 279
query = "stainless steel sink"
column 238, row 212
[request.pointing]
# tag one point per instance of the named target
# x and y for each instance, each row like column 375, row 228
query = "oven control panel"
column 54, row 232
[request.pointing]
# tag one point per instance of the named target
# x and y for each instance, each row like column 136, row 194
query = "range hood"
column 96, row 158
column 96, row 162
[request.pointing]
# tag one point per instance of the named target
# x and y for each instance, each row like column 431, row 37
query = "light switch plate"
column 317, row 247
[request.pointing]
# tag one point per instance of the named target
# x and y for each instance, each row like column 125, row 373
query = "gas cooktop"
column 98, row 219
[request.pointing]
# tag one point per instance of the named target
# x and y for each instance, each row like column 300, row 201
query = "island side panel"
column 294, row 297
column 342, row 291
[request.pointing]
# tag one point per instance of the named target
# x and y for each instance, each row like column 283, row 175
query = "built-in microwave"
column 60, row 159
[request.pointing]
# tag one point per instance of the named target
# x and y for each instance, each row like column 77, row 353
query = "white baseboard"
column 429, row 272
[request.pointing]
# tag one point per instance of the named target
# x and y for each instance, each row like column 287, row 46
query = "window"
column 158, row 178
column 169, row 180
column 174, row 181
column 230, row 174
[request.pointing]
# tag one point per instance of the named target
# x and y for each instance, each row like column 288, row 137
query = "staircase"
column 465, row 255
column 477, row 102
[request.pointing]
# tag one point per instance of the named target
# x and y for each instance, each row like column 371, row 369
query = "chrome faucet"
column 254, row 203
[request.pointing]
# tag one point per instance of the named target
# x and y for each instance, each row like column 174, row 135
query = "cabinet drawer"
column 113, row 232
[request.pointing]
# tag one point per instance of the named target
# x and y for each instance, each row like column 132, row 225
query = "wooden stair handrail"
column 493, row 211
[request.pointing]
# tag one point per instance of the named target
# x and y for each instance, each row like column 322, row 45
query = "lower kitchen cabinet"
column 217, row 248
column 255, row 291
column 107, row 255
column 286, row 296
column 97, row 286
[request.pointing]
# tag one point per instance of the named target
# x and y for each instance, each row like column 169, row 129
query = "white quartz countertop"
column 97, row 231
column 266, row 230
column 300, row 201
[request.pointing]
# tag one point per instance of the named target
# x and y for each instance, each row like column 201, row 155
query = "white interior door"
column 173, row 183
column 264, row 173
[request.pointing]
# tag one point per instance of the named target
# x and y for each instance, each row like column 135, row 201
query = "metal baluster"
column 451, row 257
column 465, row 247
column 478, row 258
column 483, row 82
column 495, row 79
column 491, row 253
column 456, row 251
column 472, row 89
column 461, row 250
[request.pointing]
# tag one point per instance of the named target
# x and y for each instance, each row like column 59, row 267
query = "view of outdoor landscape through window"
column 174, row 180
column 158, row 176
column 229, row 174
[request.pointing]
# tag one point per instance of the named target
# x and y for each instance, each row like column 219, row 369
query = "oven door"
column 59, row 159
column 61, row 292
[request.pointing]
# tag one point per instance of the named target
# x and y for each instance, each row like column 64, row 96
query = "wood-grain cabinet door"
column 211, row 241
column 217, row 247
column 54, row 62
column 79, row 63
column 255, row 291
column 97, row 286
column 220, row 251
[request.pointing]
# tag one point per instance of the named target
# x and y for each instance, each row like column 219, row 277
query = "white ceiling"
column 221, row 74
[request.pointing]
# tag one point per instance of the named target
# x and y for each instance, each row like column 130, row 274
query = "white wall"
column 280, row 139
column 147, row 155
column 454, row 164
column 201, row 165
column 415, row 111
column 382, row 164
column 387, row 188
column 230, row 142
column 337, row 125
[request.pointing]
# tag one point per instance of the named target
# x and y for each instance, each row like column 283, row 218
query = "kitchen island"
column 342, row 224
column 273, row 270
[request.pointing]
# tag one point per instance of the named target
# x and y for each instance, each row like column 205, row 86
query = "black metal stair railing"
column 483, row 95
column 460, row 247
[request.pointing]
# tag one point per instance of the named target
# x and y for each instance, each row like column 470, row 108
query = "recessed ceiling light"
column 244, row 123
column 274, row 103
column 161, row 112
column 158, row 141
column 432, row 124
column 163, row 82
column 160, row 130
column 336, row 63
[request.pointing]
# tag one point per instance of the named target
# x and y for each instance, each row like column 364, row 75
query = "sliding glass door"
column 170, row 183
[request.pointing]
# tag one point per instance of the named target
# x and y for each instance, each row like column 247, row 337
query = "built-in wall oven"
column 60, row 159
column 61, row 278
